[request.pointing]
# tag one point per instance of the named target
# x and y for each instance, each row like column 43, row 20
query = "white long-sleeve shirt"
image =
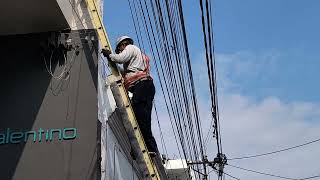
column 132, row 55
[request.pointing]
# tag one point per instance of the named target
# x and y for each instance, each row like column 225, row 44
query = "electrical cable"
column 186, row 51
column 231, row 176
column 161, row 86
column 65, row 70
column 179, row 58
column 64, row 77
column 183, row 146
column 148, row 33
column 180, row 63
column 180, row 75
column 272, row 175
column 177, row 55
column 206, row 141
column 162, row 48
column 136, row 23
column 166, row 104
column 278, row 151
column 49, row 69
column 173, row 68
column 208, row 39
column 214, row 170
column 164, row 147
column 211, row 70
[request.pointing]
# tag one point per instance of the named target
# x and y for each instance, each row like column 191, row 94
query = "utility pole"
column 217, row 164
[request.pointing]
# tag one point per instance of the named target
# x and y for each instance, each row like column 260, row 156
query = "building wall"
column 31, row 99
column 76, row 13
column 31, row 16
column 35, row 16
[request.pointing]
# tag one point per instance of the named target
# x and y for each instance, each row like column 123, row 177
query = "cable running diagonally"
column 272, row 175
column 163, row 24
column 278, row 151
column 210, row 59
column 164, row 146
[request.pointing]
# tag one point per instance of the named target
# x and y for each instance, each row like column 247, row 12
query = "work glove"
column 106, row 53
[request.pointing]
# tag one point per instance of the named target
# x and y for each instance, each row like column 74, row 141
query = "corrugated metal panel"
column 116, row 124
column 117, row 127
column 118, row 166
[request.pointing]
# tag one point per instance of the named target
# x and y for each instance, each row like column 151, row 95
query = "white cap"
column 120, row 39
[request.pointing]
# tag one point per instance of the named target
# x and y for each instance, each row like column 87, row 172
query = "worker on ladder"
column 137, row 80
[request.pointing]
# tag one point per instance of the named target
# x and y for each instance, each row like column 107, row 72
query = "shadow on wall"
column 32, row 99
column 90, row 53
column 24, row 82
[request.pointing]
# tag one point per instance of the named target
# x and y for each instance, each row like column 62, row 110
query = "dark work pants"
column 143, row 94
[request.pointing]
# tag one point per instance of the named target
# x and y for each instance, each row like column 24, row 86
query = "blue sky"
column 267, row 56
column 289, row 29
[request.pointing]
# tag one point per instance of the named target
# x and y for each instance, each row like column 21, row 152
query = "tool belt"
column 138, row 77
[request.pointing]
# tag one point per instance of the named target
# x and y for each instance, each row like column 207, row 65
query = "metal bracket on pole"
column 217, row 164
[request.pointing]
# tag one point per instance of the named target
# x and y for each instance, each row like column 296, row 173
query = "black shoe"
column 133, row 155
column 152, row 154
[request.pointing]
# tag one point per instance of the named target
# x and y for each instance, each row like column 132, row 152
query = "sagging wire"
column 157, row 69
column 179, row 93
column 171, row 89
column 64, row 74
column 274, row 152
column 272, row 175
column 164, row 147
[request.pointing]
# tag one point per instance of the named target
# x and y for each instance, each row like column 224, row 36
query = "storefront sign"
column 13, row 137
